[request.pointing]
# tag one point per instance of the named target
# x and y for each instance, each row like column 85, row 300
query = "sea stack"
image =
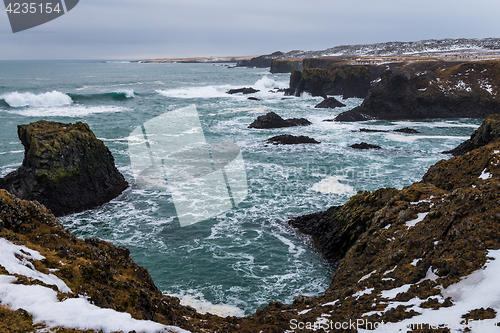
column 65, row 167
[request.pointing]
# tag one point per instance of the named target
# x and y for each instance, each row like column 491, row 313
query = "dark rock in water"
column 427, row 90
column 329, row 103
column 489, row 131
column 244, row 91
column 406, row 130
column 288, row 139
column 272, row 120
column 254, row 99
column 329, row 120
column 399, row 130
column 368, row 130
column 364, row 145
column 65, row 167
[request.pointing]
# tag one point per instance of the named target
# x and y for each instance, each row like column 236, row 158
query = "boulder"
column 244, row 91
column 287, row 139
column 329, row 103
column 272, row 120
column 65, row 167
column 364, row 145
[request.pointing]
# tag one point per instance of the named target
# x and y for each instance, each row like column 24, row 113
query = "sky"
column 130, row 30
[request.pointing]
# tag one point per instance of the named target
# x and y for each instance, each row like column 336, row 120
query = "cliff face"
column 285, row 65
column 322, row 77
column 426, row 90
column 65, row 167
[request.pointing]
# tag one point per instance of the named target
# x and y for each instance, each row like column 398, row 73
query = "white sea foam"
column 332, row 185
column 197, row 301
column 49, row 99
column 129, row 93
column 412, row 138
column 197, row 92
column 68, row 111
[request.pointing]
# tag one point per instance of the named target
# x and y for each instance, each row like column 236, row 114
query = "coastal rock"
column 413, row 244
column 272, row 120
column 254, row 99
column 65, row 167
column 322, row 77
column 427, row 90
column 262, row 61
column 489, row 131
column 285, row 65
column 288, row 139
column 364, row 145
column 244, row 91
column 329, row 103
column 405, row 130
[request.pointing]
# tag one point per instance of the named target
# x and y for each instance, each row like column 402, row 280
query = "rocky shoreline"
column 397, row 253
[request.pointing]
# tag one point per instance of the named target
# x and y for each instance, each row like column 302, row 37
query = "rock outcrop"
column 427, row 90
column 329, row 103
column 262, row 61
column 322, row 77
column 489, row 131
column 364, row 145
column 287, row 139
column 65, row 167
column 272, row 120
column 285, row 65
column 244, row 91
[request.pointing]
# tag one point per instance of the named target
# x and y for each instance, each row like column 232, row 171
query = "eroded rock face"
column 427, row 90
column 272, row 120
column 489, row 131
column 65, row 167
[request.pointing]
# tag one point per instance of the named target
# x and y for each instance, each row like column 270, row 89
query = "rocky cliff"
column 65, row 167
column 420, row 259
column 426, row 90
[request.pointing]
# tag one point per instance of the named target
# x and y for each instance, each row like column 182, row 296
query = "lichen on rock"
column 65, row 167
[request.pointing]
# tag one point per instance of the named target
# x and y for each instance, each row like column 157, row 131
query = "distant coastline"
column 195, row 60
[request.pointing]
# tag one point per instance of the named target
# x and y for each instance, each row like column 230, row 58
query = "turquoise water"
column 244, row 258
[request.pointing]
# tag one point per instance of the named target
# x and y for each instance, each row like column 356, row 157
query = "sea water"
column 244, row 258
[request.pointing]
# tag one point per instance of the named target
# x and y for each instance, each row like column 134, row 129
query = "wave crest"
column 49, row 99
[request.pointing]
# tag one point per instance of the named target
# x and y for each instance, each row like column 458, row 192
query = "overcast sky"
column 126, row 29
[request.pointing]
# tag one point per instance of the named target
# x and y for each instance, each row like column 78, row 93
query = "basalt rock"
column 288, row 139
column 272, row 120
column 244, row 91
column 364, row 145
column 427, row 90
column 489, row 131
column 285, row 65
column 329, row 103
column 65, row 167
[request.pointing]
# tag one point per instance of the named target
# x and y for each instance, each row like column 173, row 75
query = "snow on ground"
column 42, row 303
column 475, row 291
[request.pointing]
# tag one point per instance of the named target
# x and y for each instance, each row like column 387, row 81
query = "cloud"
column 130, row 29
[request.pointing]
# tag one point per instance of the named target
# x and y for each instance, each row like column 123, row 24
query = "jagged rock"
column 272, row 120
column 427, row 90
column 364, row 145
column 489, row 131
column 288, row 139
column 244, row 91
column 65, row 167
column 330, row 103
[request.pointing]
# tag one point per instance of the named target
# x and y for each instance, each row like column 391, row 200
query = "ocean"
column 242, row 259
